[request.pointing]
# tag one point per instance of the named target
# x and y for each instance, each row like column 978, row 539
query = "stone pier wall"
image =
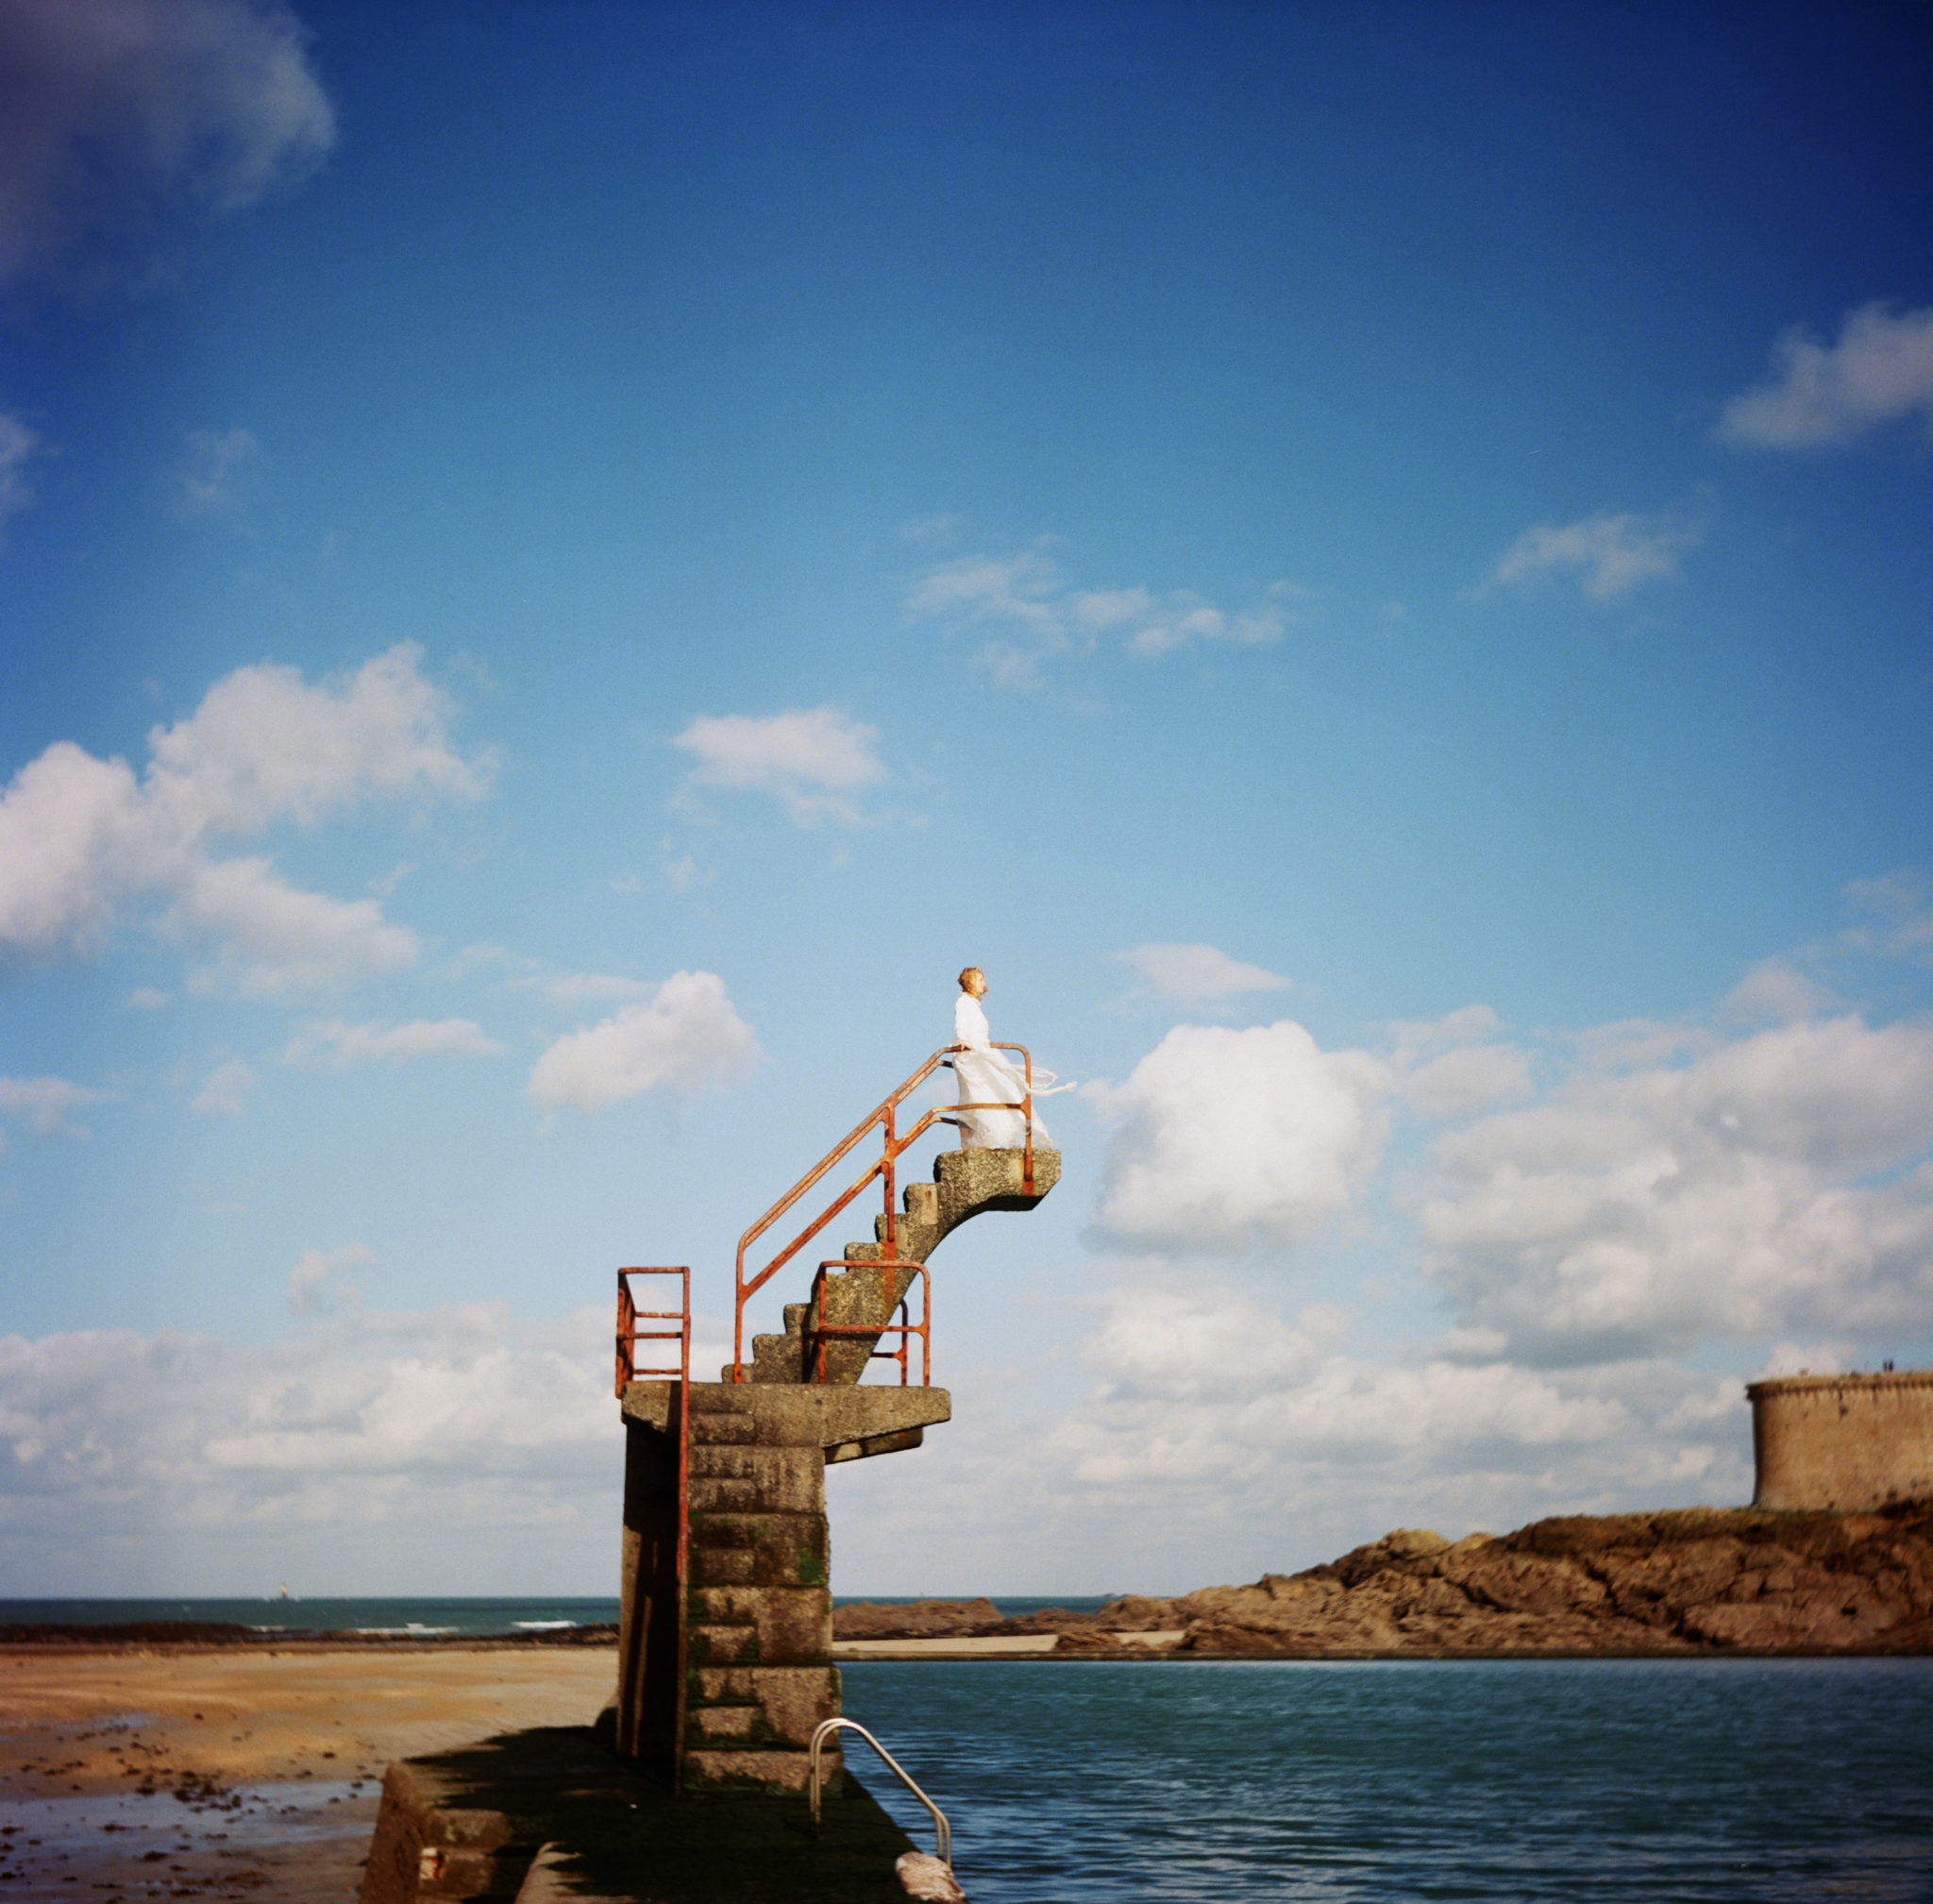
column 757, row 1674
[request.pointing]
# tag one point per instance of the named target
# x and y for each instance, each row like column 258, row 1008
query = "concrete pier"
column 758, row 1639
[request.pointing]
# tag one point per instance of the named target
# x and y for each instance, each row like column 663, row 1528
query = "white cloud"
column 1902, row 924
column 338, row 1044
column 1456, row 1083
column 44, row 1103
column 813, row 758
column 1199, row 971
column 310, row 1281
column 1774, row 993
column 1257, row 1439
column 1821, row 396
column 411, row 1452
column 1614, row 552
column 82, row 842
column 1447, row 1068
column 18, row 445
column 930, row 532
column 276, row 940
column 225, row 1090
column 1225, row 1141
column 214, row 481
column 1773, row 1184
column 1034, row 612
column 114, row 113
column 688, row 1036
column 146, row 999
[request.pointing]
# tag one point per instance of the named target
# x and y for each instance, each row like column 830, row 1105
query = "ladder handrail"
column 629, row 1335
column 943, row 1832
column 886, row 1112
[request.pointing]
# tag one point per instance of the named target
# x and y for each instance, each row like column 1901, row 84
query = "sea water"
column 392, row 1617
column 450, row 1617
column 1792, row 1780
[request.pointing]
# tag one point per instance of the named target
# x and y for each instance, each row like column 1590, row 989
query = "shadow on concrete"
column 620, row 1832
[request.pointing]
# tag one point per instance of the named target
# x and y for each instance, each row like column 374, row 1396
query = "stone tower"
column 729, row 1685
column 1846, row 1443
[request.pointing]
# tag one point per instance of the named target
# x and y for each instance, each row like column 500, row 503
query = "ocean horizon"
column 430, row 1617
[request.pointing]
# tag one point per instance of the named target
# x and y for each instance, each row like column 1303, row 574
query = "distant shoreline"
column 205, row 1636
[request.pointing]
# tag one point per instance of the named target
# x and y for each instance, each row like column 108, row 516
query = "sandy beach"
column 230, row 1773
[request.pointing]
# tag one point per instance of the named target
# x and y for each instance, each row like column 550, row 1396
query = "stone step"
column 778, row 1359
column 714, row 1429
column 715, row 1398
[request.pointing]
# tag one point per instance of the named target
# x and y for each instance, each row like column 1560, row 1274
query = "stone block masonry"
column 757, row 1672
column 1842, row 1443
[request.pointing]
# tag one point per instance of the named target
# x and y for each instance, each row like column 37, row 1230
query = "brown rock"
column 916, row 1620
column 1705, row 1579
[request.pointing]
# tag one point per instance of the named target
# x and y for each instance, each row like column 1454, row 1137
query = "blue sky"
column 565, row 568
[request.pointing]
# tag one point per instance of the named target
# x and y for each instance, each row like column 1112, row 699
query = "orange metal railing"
column 820, row 1331
column 884, row 1118
column 628, row 1370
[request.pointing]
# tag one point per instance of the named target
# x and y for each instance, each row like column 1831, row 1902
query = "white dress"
column 987, row 1078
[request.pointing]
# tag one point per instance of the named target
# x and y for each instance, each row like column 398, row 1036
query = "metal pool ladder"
column 943, row 1832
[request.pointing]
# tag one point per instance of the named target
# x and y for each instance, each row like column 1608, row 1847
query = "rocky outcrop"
column 951, row 1619
column 1704, row 1581
column 914, row 1620
column 1699, row 1581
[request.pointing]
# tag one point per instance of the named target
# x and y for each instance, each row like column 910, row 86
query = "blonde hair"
column 971, row 972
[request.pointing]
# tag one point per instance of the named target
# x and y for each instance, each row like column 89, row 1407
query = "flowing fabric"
column 987, row 1078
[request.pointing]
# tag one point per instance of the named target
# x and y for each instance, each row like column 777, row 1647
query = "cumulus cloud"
column 1207, row 1393
column 337, row 1044
column 688, row 1036
column 115, row 114
column 814, row 758
column 1258, row 1437
column 1454, row 1066
column 1898, row 921
column 18, row 446
column 1773, row 992
column 420, row 1451
column 310, row 1283
column 213, row 482
column 1032, row 612
column 1227, row 1140
column 225, row 1092
column 84, row 843
column 1773, row 1184
column 45, row 1105
column 1613, row 553
column 1199, row 971
column 1878, row 373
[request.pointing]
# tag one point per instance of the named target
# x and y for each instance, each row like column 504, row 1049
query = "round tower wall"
column 1848, row 1444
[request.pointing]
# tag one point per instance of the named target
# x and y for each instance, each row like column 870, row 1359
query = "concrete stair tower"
column 723, row 1675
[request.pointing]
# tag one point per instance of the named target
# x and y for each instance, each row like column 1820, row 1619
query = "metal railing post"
column 942, row 1831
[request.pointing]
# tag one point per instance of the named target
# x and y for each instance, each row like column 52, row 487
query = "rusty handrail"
column 886, row 1114
column 815, row 1322
column 629, row 1335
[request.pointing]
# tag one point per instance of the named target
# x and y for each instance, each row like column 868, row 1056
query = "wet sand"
column 186, row 1772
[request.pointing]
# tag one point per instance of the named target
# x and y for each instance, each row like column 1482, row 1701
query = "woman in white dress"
column 987, row 1078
